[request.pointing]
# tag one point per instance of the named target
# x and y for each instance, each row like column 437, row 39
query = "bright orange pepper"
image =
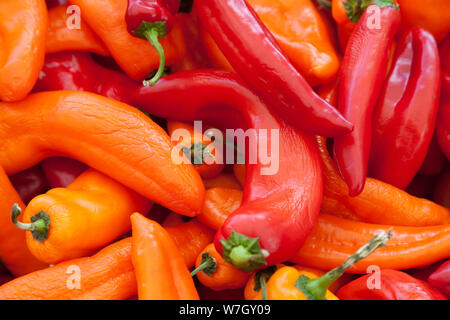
column 61, row 38
column 161, row 272
column 75, row 221
column 135, row 56
column 239, row 172
column 215, row 273
column 23, row 27
column 223, row 180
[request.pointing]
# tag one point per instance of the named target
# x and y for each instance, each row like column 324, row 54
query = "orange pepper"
column 431, row 15
column 14, row 253
column 189, row 144
column 333, row 239
column 23, row 27
column 379, row 202
column 135, row 56
column 223, row 180
column 109, row 136
column 344, row 25
column 61, row 38
column 161, row 273
column 301, row 32
column 219, row 204
column 239, row 172
column 215, row 273
column 73, row 222
column 107, row 275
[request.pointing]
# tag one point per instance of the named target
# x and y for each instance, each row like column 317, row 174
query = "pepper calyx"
column 355, row 8
column 208, row 265
column 38, row 226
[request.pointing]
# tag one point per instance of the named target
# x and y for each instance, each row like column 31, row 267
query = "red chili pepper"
column 78, row 71
column 255, row 55
column 60, row 172
column 405, row 118
column 394, row 285
column 440, row 278
column 278, row 211
column 29, row 183
column 363, row 70
column 151, row 20
column 443, row 122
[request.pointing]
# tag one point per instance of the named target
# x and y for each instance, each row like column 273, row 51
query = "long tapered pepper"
column 379, row 202
column 363, row 70
column 79, row 72
column 440, row 278
column 161, row 273
column 443, row 120
column 94, row 130
column 29, row 183
column 255, row 55
column 107, row 275
column 279, row 205
column 405, row 117
column 62, row 38
column 135, row 56
column 333, row 239
column 23, row 26
column 65, row 223
column 14, row 252
column 60, row 172
column 393, row 285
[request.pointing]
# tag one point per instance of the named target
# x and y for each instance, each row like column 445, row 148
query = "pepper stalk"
column 39, row 225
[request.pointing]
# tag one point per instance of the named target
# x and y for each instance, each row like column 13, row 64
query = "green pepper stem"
column 38, row 227
column 209, row 265
column 325, row 4
column 152, row 35
column 241, row 257
column 262, row 283
column 316, row 289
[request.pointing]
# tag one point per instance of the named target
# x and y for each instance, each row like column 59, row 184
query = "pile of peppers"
column 348, row 200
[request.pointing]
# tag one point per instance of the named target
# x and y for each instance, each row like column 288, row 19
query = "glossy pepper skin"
column 273, row 202
column 60, row 172
column 440, row 278
column 90, row 213
column 29, row 183
column 405, row 118
column 395, row 285
column 363, row 70
column 255, row 55
column 93, row 129
column 161, row 273
column 23, row 26
column 443, row 122
column 79, row 72
column 14, row 252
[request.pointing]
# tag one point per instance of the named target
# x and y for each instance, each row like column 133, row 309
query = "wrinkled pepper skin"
column 405, row 118
column 61, row 38
column 79, row 72
column 29, row 183
column 14, row 252
column 60, row 172
column 91, row 212
column 256, row 56
column 440, row 278
column 362, row 74
column 135, row 56
column 443, row 122
column 395, row 285
column 270, row 202
column 161, row 273
column 23, row 26
column 94, row 130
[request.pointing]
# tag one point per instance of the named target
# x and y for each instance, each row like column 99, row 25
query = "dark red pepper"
column 443, row 122
column 55, row 3
column 278, row 211
column 29, row 183
column 405, row 118
column 255, row 55
column 363, row 70
column 151, row 20
column 440, row 278
column 78, row 71
column 60, row 171
column 394, row 285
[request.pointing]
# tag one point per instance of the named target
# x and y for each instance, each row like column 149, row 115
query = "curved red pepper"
column 443, row 123
column 363, row 70
column 394, row 285
column 255, row 55
column 60, row 172
column 440, row 278
column 281, row 209
column 78, row 71
column 405, row 118
column 29, row 183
